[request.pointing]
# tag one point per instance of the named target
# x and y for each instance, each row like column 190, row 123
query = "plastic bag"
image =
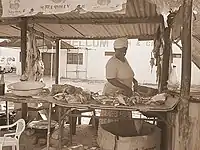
column 173, row 82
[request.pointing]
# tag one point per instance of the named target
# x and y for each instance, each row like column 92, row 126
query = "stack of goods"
column 120, row 99
column 71, row 94
column 76, row 95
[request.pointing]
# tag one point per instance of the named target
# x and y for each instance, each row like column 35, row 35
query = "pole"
column 49, row 126
column 183, row 108
column 23, row 59
column 51, row 62
column 60, row 109
column 57, row 61
column 7, row 113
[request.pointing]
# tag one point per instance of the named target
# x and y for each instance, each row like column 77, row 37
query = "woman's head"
column 120, row 46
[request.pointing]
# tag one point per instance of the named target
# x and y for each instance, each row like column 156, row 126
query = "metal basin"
column 26, row 88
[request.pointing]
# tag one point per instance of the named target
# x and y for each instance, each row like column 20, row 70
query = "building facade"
column 88, row 62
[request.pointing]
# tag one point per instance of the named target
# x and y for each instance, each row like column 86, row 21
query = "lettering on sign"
column 89, row 43
column 16, row 8
column 146, row 43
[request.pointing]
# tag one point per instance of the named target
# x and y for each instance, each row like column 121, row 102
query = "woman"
column 120, row 78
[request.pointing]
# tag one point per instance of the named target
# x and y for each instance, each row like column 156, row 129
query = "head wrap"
column 121, row 43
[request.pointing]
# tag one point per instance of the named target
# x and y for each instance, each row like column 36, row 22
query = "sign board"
column 17, row 8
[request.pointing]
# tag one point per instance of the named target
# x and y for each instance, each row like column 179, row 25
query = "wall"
column 94, row 62
column 10, row 52
column 138, row 55
column 14, row 52
column 195, row 71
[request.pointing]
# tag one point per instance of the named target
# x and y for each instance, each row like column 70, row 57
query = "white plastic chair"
column 12, row 139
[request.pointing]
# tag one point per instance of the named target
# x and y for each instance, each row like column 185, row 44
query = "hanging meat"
column 34, row 65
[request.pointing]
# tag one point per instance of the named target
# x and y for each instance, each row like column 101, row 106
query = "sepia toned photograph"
column 99, row 75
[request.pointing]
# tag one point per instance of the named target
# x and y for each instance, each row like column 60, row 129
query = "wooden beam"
column 23, row 59
column 122, row 20
column 183, row 108
column 53, row 20
column 57, row 61
column 146, row 37
column 11, row 21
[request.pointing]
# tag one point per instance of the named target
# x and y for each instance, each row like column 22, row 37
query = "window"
column 176, row 55
column 75, row 58
column 109, row 53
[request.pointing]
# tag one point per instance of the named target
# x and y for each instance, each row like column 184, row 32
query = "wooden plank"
column 123, row 20
column 146, row 37
column 49, row 126
column 183, row 108
column 149, row 37
column 23, row 59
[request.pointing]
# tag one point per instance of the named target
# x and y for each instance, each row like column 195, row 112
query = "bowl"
column 26, row 88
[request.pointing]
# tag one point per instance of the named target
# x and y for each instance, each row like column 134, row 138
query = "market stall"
column 144, row 21
column 154, row 107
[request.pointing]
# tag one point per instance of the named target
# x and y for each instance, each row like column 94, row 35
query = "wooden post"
column 183, row 108
column 61, row 126
column 60, row 109
column 7, row 113
column 166, row 57
column 49, row 126
column 23, row 59
column 164, row 79
column 57, row 60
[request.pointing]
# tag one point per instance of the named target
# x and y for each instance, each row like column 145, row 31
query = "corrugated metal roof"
column 140, row 21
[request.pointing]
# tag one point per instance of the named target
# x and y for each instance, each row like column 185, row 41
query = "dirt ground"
column 82, row 132
column 28, row 142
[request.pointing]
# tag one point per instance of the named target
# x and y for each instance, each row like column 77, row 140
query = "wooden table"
column 169, row 106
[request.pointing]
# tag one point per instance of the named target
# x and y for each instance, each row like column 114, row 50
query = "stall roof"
column 140, row 21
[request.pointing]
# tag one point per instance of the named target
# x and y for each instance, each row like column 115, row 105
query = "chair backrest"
column 20, row 127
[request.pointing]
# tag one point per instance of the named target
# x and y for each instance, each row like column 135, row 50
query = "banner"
column 17, row 8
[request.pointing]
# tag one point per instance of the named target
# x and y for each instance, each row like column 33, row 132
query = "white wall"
column 14, row 52
column 10, row 52
column 138, row 55
column 195, row 80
